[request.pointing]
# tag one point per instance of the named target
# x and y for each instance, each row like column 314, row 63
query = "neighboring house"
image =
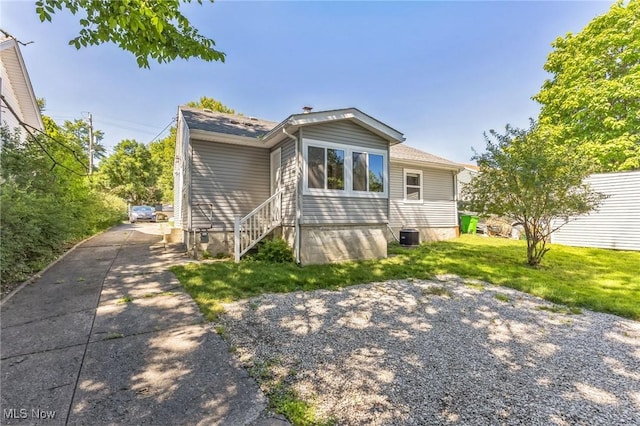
column 615, row 225
column 331, row 183
column 464, row 177
column 16, row 89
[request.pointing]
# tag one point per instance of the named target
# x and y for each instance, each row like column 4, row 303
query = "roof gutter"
column 441, row 166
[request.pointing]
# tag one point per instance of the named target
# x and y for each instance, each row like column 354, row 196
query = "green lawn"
column 596, row 279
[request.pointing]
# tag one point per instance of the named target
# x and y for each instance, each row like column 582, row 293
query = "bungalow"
column 336, row 185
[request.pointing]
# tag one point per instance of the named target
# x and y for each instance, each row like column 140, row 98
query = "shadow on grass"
column 601, row 280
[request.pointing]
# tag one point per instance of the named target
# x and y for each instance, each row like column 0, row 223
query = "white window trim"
column 348, row 170
column 404, row 185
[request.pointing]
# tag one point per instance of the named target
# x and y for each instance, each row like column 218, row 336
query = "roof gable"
column 295, row 121
column 13, row 64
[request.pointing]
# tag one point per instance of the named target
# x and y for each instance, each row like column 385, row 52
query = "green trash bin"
column 468, row 223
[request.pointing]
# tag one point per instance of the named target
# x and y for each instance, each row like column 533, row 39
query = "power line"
column 28, row 128
column 163, row 130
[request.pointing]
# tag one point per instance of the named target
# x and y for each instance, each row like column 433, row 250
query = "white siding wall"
column 438, row 206
column 616, row 224
column 321, row 209
column 235, row 179
column 181, row 179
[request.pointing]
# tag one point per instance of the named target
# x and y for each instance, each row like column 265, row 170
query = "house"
column 615, row 224
column 336, row 185
column 15, row 87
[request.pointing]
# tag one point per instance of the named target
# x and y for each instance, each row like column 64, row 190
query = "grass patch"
column 502, row 297
column 125, row 299
column 112, row 336
column 559, row 309
column 596, row 279
column 164, row 293
column 282, row 397
column 437, row 291
column 475, row 286
column 222, row 331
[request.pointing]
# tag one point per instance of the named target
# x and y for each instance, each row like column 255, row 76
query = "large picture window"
column 413, row 185
column 344, row 170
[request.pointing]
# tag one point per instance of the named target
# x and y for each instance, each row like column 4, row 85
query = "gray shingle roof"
column 229, row 124
column 409, row 153
column 239, row 125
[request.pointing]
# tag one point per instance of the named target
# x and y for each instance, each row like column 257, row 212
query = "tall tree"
column 163, row 153
column 526, row 178
column 593, row 96
column 148, row 29
column 130, row 173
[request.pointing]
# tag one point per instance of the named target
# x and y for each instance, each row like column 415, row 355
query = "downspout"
column 455, row 201
column 296, row 236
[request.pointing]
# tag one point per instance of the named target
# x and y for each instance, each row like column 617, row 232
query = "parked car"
column 147, row 213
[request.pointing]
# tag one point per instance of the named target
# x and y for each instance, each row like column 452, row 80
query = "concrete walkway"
column 108, row 336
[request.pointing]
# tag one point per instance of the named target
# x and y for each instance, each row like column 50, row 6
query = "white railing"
column 252, row 228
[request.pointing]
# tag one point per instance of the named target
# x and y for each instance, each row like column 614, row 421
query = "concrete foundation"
column 427, row 234
column 330, row 244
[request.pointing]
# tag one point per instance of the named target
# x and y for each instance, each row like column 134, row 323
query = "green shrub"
column 274, row 251
column 45, row 209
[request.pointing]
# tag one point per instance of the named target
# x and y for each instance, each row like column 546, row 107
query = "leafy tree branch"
column 150, row 29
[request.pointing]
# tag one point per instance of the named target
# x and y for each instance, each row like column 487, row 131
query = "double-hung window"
column 344, row 170
column 413, row 185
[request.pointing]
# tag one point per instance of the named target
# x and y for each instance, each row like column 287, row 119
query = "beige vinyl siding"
column 288, row 173
column 234, row 179
column 323, row 209
column 615, row 224
column 343, row 210
column 345, row 132
column 430, row 214
column 438, row 207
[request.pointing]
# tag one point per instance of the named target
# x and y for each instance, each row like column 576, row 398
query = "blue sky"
column 440, row 72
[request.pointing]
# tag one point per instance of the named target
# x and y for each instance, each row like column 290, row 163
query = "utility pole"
column 90, row 143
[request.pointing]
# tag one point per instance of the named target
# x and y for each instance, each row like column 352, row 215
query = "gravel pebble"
column 440, row 352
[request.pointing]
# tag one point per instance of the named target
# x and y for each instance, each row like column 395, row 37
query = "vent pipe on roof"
column 307, row 109
column 206, row 110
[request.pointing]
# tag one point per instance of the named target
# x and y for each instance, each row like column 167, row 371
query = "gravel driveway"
column 443, row 352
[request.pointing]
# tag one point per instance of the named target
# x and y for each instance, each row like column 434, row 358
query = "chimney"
column 307, row 109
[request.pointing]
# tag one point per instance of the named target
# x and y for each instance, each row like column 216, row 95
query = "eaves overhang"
column 21, row 84
column 294, row 122
column 431, row 164
column 206, row 135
